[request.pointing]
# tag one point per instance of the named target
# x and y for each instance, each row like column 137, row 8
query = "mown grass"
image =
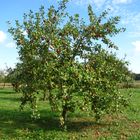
column 17, row 125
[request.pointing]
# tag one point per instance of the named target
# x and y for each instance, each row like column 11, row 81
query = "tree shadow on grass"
column 6, row 91
column 11, row 122
column 10, row 99
column 77, row 126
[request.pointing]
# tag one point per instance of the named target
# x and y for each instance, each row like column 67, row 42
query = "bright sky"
column 128, row 42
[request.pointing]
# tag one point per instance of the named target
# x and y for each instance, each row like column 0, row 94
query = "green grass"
column 17, row 125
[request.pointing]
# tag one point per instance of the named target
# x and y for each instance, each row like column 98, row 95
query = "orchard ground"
column 17, row 125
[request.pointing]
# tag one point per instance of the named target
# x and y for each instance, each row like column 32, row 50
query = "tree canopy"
column 71, row 60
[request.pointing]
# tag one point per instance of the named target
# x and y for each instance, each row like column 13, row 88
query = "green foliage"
column 65, row 56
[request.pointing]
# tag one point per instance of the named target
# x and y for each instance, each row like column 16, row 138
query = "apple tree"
column 70, row 60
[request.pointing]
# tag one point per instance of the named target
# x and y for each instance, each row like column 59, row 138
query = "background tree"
column 136, row 76
column 14, row 77
column 2, row 76
column 65, row 56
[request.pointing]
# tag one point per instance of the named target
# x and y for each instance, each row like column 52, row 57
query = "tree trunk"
column 45, row 95
column 64, row 114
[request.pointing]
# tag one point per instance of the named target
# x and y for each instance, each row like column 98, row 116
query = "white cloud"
column 136, row 44
column 136, row 21
column 2, row 36
column 134, row 34
column 98, row 3
column 101, row 3
column 25, row 33
column 133, row 18
column 10, row 45
column 121, row 1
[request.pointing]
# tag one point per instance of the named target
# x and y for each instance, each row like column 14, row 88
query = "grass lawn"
column 17, row 125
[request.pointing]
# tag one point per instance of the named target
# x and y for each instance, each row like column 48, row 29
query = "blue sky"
column 128, row 42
